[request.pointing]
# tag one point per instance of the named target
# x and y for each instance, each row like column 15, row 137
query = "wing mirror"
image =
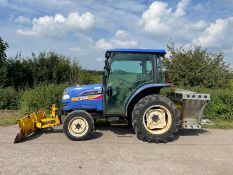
column 107, row 54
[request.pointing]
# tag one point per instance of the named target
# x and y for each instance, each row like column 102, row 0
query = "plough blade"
column 27, row 125
column 38, row 120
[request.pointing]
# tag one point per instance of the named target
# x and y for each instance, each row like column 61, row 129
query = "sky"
column 84, row 30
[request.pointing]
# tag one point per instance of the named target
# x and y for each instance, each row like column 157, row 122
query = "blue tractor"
column 132, row 81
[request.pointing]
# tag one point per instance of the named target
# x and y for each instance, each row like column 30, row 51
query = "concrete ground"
column 116, row 150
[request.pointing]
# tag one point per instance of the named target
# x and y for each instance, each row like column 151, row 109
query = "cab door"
column 126, row 75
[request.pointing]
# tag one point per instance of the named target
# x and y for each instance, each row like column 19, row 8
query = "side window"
column 125, row 72
column 149, row 70
column 160, row 70
column 149, row 66
column 126, row 66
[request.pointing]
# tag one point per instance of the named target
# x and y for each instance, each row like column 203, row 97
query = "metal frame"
column 191, row 106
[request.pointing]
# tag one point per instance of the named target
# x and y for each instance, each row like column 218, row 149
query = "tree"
column 26, row 72
column 54, row 68
column 3, row 47
column 45, row 68
column 196, row 67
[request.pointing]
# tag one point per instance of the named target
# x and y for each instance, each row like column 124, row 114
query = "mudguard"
column 141, row 89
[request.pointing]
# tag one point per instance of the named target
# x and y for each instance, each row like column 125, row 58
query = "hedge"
column 220, row 105
column 9, row 98
column 42, row 97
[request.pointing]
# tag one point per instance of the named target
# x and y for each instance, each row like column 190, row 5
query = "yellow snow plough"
column 36, row 121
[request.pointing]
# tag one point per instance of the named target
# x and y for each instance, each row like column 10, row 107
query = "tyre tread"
column 83, row 114
column 140, row 106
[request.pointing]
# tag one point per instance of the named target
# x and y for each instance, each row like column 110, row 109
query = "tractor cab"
column 125, row 71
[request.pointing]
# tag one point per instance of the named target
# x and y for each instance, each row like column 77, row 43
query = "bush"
column 220, row 105
column 46, row 68
column 231, row 85
column 17, row 74
column 42, row 97
column 197, row 67
column 9, row 98
column 54, row 68
column 90, row 77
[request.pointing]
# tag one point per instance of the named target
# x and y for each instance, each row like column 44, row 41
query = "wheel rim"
column 157, row 119
column 78, row 127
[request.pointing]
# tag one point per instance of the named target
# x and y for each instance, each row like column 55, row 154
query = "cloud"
column 159, row 19
column 181, row 7
column 217, row 34
column 59, row 25
column 100, row 59
column 103, row 44
column 77, row 22
column 78, row 50
column 121, row 39
column 22, row 20
column 3, row 2
column 153, row 18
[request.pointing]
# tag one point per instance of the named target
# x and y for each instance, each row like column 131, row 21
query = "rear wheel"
column 78, row 125
column 155, row 119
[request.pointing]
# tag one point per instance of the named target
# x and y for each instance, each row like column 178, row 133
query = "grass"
column 9, row 120
column 220, row 124
column 9, row 117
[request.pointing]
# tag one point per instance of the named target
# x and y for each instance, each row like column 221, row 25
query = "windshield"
column 132, row 68
column 140, row 65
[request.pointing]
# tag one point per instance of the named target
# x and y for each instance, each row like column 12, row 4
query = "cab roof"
column 158, row 51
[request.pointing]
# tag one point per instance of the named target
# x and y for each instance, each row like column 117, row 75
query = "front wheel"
column 155, row 119
column 78, row 125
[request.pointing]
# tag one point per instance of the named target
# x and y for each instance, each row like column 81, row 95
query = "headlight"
column 100, row 91
column 65, row 92
column 65, row 97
